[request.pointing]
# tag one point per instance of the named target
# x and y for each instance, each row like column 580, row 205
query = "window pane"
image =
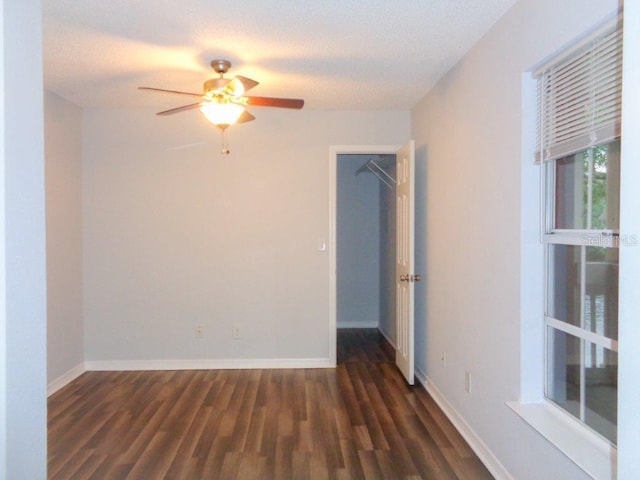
column 597, row 374
column 563, row 370
column 587, row 189
column 569, row 195
column 601, row 390
column 563, row 296
column 601, row 291
column 601, row 288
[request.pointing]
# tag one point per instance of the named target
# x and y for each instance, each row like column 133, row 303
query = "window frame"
column 589, row 451
column 577, row 238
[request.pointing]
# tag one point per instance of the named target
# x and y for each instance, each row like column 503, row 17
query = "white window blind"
column 580, row 96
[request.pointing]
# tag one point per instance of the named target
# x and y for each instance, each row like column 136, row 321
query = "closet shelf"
column 376, row 167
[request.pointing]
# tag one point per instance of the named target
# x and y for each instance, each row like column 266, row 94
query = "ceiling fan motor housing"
column 221, row 66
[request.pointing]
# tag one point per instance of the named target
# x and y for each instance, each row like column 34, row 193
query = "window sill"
column 594, row 455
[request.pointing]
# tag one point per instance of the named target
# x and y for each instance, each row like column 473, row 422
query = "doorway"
column 362, row 243
column 399, row 325
column 365, row 242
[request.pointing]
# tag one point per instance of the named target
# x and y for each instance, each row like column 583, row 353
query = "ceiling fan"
column 223, row 100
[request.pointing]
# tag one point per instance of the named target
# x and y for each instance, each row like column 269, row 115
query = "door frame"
column 334, row 151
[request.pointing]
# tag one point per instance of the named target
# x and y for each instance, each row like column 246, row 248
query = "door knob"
column 410, row 278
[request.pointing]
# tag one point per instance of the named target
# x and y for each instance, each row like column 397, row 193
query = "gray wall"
column 63, row 144
column 387, row 213
column 178, row 237
column 23, row 374
column 468, row 132
column 421, row 267
column 629, row 358
column 358, row 244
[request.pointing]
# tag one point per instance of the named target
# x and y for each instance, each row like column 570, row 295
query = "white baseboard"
column 485, row 455
column 371, row 324
column 195, row 364
column 208, row 364
column 64, row 379
column 386, row 335
column 420, row 376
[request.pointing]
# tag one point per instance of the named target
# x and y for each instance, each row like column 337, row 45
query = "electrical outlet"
column 236, row 333
column 199, row 331
column 467, row 382
column 443, row 360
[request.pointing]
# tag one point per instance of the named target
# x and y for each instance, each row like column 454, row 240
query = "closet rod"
column 378, row 171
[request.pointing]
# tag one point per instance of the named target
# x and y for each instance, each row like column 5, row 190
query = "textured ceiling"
column 336, row 54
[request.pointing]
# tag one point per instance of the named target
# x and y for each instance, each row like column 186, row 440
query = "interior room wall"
column 387, row 211
column 421, row 266
column 467, row 132
column 176, row 235
column 23, row 300
column 629, row 353
column 358, row 244
column 63, row 176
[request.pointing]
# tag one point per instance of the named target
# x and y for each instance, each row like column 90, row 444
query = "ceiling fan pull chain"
column 225, row 142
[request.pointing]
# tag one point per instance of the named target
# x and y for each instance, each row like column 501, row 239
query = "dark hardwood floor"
column 359, row 421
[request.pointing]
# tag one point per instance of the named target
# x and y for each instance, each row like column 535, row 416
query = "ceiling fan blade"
column 275, row 102
column 162, row 90
column 180, row 109
column 245, row 117
column 238, row 85
column 247, row 83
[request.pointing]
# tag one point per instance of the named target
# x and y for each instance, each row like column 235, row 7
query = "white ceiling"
column 336, row 54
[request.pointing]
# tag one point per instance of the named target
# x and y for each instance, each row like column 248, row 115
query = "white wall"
column 22, row 221
column 358, row 244
column 467, row 132
column 63, row 174
column 175, row 238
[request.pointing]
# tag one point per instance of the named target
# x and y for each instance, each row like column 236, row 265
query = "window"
column 581, row 311
column 579, row 98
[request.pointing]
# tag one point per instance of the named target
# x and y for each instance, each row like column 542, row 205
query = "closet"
column 366, row 242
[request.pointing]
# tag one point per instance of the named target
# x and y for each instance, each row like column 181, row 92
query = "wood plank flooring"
column 358, row 421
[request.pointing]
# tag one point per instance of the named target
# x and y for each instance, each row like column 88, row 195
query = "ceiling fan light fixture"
column 222, row 114
column 223, row 102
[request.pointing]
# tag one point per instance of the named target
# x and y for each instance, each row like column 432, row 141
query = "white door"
column 405, row 275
